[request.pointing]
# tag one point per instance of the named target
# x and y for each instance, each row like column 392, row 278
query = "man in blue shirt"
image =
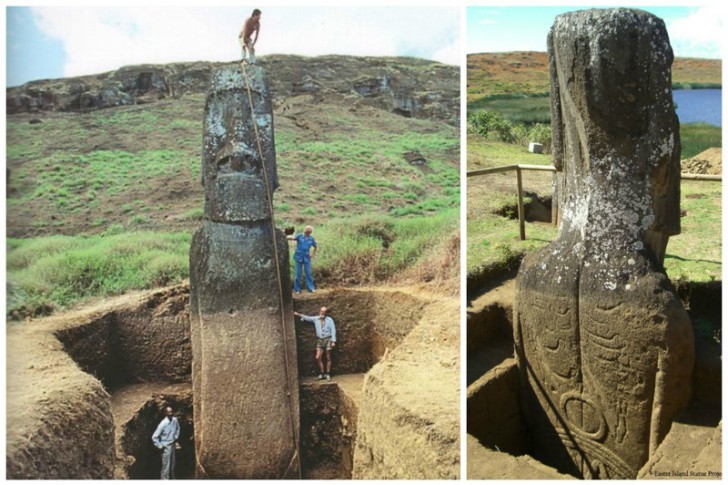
column 302, row 257
column 326, row 333
column 164, row 438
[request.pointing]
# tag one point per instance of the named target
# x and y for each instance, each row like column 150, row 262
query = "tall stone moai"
column 604, row 346
column 246, row 407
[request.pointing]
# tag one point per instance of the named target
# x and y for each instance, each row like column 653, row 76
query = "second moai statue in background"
column 244, row 371
column 604, row 346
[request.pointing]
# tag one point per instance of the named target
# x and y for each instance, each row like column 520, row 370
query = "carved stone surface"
column 246, row 422
column 604, row 346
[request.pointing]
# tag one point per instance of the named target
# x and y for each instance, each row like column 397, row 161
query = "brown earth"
column 527, row 72
column 708, row 162
column 75, row 377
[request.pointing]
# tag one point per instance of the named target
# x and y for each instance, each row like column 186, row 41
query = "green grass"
column 696, row 85
column 694, row 137
column 371, row 248
column 695, row 254
column 493, row 240
column 49, row 273
column 698, row 137
column 516, row 108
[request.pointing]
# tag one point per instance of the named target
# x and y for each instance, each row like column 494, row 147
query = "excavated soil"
column 709, row 162
column 86, row 389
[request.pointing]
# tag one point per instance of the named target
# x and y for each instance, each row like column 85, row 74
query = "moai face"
column 233, row 172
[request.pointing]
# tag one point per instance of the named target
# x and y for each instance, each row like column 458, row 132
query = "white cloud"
column 449, row 54
column 100, row 39
column 700, row 34
column 487, row 22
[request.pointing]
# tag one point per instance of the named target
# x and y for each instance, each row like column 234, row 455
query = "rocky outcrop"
column 244, row 374
column 407, row 86
column 604, row 346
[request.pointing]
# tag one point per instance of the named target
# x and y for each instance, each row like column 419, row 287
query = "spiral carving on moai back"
column 244, row 374
column 604, row 345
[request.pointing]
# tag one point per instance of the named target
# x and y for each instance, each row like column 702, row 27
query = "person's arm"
column 257, row 30
column 176, row 430
column 313, row 245
column 157, row 433
column 304, row 318
column 333, row 332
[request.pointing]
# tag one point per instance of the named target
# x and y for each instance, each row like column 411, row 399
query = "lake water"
column 698, row 105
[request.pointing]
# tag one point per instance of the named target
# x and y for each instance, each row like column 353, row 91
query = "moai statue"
column 244, row 371
column 604, row 346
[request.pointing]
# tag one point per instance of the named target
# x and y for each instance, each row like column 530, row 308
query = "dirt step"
column 689, row 451
column 494, row 414
column 349, row 384
column 489, row 330
column 486, row 464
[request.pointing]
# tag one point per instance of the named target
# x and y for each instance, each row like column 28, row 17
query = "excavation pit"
column 498, row 436
column 139, row 351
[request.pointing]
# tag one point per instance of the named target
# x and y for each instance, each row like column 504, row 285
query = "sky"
column 55, row 42
column 693, row 31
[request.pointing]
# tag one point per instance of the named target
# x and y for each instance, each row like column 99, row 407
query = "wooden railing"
column 550, row 168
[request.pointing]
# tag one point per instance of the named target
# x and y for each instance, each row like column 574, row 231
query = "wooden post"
column 521, row 214
column 555, row 200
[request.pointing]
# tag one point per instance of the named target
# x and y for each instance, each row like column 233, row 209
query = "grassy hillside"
column 84, row 188
column 526, row 73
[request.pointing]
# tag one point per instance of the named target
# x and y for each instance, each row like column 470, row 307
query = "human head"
column 323, row 311
column 168, row 411
column 256, row 13
column 308, row 230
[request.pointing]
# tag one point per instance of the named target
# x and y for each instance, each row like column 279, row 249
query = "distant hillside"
column 407, row 86
column 527, row 72
column 122, row 150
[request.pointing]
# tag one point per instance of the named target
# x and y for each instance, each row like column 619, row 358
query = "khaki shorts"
column 323, row 343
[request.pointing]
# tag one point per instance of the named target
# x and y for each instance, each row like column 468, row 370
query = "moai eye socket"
column 239, row 158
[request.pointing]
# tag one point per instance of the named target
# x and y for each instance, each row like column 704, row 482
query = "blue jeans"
column 306, row 263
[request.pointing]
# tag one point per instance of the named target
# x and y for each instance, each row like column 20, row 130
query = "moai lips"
column 604, row 345
column 244, row 371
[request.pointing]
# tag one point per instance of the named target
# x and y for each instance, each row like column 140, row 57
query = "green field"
column 493, row 241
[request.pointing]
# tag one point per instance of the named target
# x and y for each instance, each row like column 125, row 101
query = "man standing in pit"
column 165, row 437
column 251, row 25
column 326, row 333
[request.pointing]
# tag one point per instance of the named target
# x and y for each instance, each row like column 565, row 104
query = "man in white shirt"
column 164, row 438
column 326, row 339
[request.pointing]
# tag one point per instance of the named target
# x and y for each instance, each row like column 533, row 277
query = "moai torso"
column 245, row 399
column 604, row 346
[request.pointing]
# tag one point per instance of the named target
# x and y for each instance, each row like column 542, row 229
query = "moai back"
column 244, row 372
column 604, row 346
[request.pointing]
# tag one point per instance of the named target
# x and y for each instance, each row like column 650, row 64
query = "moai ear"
column 557, row 126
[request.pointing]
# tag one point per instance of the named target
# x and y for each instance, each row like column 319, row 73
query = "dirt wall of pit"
column 145, row 341
column 409, row 418
column 367, row 323
column 60, row 370
column 60, row 424
column 59, row 421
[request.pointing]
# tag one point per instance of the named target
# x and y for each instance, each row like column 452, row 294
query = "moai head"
column 234, row 137
column 615, row 132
